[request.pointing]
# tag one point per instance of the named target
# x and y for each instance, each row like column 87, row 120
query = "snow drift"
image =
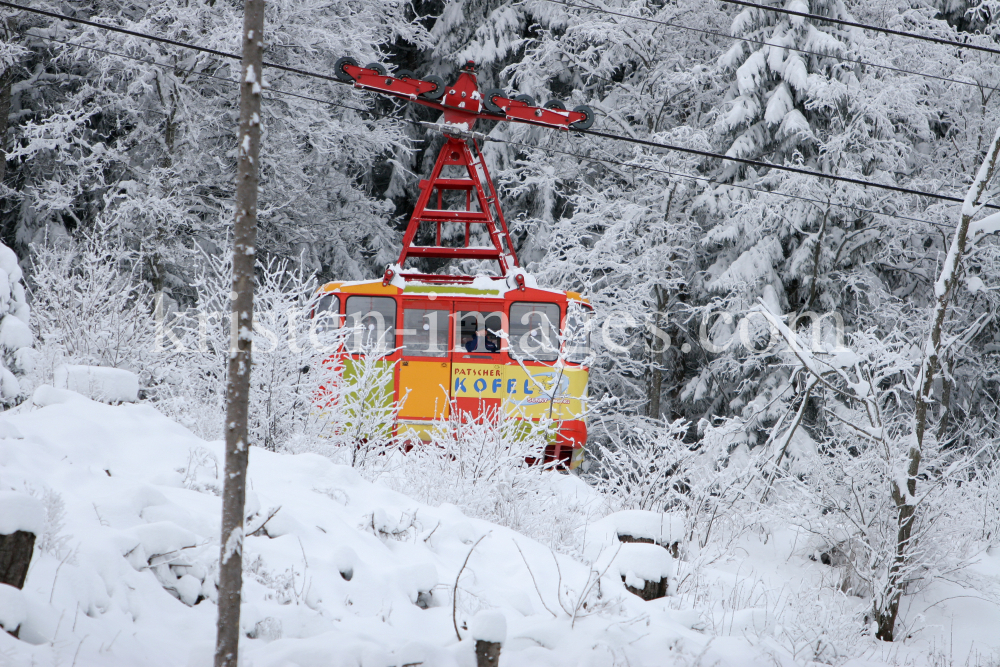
column 338, row 571
column 341, row 571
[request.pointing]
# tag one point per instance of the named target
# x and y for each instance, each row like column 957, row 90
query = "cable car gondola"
column 478, row 346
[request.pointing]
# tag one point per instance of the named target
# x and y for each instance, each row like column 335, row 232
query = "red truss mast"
column 468, row 198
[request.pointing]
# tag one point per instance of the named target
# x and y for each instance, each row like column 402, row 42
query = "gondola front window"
column 534, row 331
column 479, row 331
column 425, row 332
column 372, row 320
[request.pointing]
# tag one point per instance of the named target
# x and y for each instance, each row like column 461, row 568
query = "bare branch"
column 454, row 590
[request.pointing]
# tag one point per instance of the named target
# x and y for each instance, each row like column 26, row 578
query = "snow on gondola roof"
column 479, row 287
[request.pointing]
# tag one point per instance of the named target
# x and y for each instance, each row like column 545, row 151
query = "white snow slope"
column 345, row 572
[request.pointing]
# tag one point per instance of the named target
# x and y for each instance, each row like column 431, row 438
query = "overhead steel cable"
column 821, row 202
column 165, row 40
column 186, row 70
column 511, row 142
column 643, row 142
column 865, row 26
column 333, row 79
column 769, row 165
column 760, row 42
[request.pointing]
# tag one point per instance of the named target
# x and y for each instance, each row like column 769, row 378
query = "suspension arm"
column 461, row 102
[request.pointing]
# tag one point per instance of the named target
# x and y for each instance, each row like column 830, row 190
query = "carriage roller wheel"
column 338, row 69
column 586, row 122
column 490, row 105
column 437, row 92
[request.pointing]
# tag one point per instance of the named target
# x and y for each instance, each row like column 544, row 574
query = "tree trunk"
column 817, row 253
column 655, row 390
column 157, row 260
column 487, row 653
column 15, row 557
column 906, row 508
column 238, row 386
column 946, row 387
column 651, row 590
column 6, row 81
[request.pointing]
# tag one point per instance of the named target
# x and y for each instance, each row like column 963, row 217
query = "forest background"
column 116, row 195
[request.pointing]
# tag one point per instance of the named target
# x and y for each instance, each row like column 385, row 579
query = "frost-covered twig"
column 533, row 581
column 559, row 584
column 788, row 437
column 256, row 531
column 855, row 427
column 55, row 577
column 590, row 584
column 433, row 530
column 454, row 590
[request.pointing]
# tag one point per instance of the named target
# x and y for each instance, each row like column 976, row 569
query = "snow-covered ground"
column 341, row 571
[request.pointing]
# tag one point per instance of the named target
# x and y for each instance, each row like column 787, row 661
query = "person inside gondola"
column 492, row 342
column 482, row 341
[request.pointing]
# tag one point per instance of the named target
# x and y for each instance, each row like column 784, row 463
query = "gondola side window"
column 372, row 320
column 534, row 331
column 576, row 333
column 425, row 332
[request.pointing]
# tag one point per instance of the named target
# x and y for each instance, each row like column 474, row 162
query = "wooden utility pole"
column 238, row 386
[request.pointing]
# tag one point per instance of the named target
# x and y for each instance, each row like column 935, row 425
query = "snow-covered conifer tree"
column 776, row 86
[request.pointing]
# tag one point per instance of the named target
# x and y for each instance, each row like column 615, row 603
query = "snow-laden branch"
column 988, row 225
column 970, row 206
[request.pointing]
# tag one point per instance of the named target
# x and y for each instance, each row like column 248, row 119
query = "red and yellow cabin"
column 475, row 348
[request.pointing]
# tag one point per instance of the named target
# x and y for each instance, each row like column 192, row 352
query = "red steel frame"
column 459, row 153
column 462, row 105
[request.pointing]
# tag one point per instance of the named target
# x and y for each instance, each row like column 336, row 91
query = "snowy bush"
column 644, row 469
column 492, row 469
column 52, row 539
column 193, row 345
column 94, row 309
column 16, row 354
column 353, row 409
column 91, row 306
column 713, row 483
